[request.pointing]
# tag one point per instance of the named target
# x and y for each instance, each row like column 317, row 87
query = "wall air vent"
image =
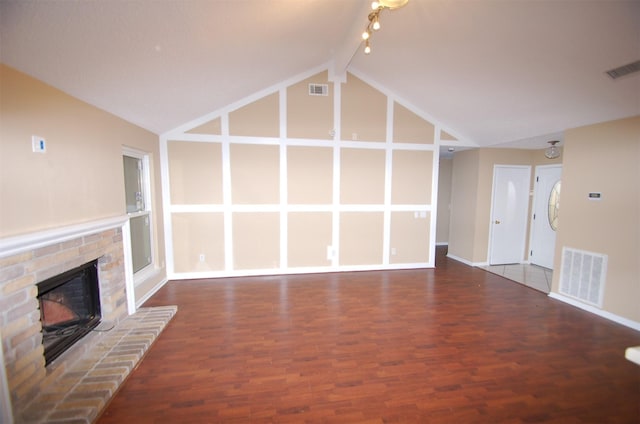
column 318, row 89
column 627, row 69
column 582, row 275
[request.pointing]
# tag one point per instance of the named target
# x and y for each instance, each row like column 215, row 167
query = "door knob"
column 497, row 222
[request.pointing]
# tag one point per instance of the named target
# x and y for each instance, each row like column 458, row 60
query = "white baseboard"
column 604, row 314
column 466, row 262
column 150, row 293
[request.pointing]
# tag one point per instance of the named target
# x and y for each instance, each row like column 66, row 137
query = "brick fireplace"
column 26, row 261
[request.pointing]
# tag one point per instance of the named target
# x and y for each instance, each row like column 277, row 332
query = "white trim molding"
column 604, row 314
column 13, row 245
column 466, row 262
column 147, row 296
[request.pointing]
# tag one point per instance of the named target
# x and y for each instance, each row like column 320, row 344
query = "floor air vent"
column 627, row 69
column 582, row 275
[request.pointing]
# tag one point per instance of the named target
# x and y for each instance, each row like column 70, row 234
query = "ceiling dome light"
column 552, row 151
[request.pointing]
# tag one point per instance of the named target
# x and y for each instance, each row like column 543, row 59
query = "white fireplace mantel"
column 17, row 244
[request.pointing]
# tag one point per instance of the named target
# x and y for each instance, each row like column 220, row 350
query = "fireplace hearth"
column 69, row 308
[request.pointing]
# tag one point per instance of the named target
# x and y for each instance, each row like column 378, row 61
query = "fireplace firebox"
column 69, row 308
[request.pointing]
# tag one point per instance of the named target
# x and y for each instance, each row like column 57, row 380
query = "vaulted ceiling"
column 496, row 72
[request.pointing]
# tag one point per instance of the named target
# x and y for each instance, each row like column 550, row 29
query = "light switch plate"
column 38, row 144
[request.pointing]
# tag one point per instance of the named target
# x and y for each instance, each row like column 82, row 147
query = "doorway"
column 509, row 213
column 544, row 215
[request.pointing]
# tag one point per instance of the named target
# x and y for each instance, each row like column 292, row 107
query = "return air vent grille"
column 624, row 70
column 582, row 275
column 318, row 89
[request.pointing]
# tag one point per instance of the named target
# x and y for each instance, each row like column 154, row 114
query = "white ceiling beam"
column 350, row 44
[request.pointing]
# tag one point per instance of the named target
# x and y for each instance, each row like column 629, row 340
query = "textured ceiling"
column 494, row 72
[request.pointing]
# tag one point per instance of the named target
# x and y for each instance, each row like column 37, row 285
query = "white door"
column 543, row 235
column 509, row 212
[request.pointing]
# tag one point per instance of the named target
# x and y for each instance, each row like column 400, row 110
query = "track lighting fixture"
column 374, row 18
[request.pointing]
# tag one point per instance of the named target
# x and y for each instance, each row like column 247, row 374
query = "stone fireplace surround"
column 79, row 383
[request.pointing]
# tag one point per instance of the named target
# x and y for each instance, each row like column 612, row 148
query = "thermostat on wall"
column 595, row 196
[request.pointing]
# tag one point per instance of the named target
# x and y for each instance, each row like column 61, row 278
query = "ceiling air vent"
column 318, row 89
column 624, row 70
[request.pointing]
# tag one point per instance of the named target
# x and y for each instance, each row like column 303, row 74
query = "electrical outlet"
column 393, row 251
column 202, row 257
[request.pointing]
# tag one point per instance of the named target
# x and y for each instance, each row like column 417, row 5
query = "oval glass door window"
column 554, row 206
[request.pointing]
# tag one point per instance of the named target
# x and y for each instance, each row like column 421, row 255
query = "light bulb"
column 376, row 25
column 365, row 35
column 552, row 152
column 375, row 5
column 367, row 48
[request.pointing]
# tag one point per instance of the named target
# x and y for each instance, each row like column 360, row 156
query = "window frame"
column 145, row 175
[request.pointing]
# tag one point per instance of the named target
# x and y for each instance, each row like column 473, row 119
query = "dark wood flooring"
column 453, row 344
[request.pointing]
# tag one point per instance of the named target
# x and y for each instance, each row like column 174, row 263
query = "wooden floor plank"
column 453, row 344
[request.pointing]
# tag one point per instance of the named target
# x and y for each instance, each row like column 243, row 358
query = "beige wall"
column 265, row 223
column 310, row 175
column 310, row 116
column 604, row 158
column 464, row 193
column 363, row 111
column 259, row 119
column 255, row 174
column 197, row 241
column 80, row 178
column 309, row 234
column 361, row 237
column 409, row 237
column 212, row 127
column 362, row 175
column 410, row 128
column 412, row 177
column 444, row 200
column 256, row 240
column 196, row 173
column 471, row 193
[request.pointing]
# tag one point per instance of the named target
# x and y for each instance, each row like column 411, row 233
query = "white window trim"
column 144, row 273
